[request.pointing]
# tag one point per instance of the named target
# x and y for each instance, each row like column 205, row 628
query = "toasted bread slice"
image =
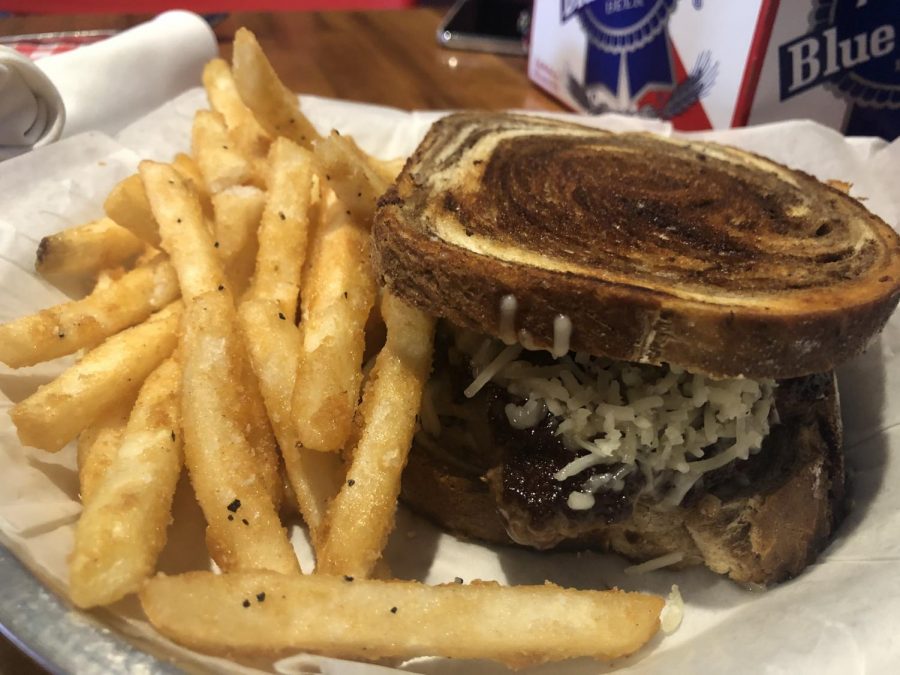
column 761, row 526
column 658, row 250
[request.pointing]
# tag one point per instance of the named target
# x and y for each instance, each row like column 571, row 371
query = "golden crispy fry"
column 362, row 514
column 123, row 526
column 238, row 212
column 253, row 417
column 149, row 255
column 285, row 226
column 273, row 343
column 347, row 170
column 187, row 167
column 106, row 278
column 128, row 206
column 79, row 324
column 266, row 613
column 388, row 169
column 250, row 139
column 274, row 105
column 226, row 469
column 58, row 411
column 86, row 249
column 220, row 163
column 338, row 294
column 200, row 271
column 98, row 445
column 185, row 237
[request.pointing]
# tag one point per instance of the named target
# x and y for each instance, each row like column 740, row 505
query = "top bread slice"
column 659, row 250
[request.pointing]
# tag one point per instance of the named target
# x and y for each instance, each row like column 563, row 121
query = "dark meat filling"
column 532, row 502
column 519, row 464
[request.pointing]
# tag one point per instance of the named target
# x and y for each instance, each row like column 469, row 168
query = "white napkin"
column 32, row 113
column 104, row 86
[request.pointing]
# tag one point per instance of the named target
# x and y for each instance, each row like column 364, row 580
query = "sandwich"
column 637, row 341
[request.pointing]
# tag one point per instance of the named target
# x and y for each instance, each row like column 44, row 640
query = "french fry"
column 338, row 294
column 221, row 165
column 388, row 169
column 285, row 226
column 249, row 137
column 266, row 613
column 361, row 516
column 122, row 528
column 58, row 411
column 79, row 324
column 273, row 344
column 98, row 444
column 106, row 278
column 86, row 249
column 128, row 206
column 187, row 167
column 347, row 170
column 176, row 207
column 238, row 212
column 274, row 105
column 226, row 469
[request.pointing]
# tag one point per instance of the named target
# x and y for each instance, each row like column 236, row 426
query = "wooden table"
column 388, row 58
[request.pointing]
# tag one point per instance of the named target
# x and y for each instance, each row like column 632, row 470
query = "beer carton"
column 712, row 64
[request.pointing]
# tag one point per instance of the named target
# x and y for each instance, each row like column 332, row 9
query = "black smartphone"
column 499, row 26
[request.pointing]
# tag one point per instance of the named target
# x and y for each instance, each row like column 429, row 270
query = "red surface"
column 692, row 119
column 758, row 47
column 206, row 6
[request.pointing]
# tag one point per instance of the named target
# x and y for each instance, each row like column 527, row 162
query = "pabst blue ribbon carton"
column 706, row 64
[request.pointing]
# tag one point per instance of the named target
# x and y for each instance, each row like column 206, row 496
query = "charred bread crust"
column 765, row 295
column 760, row 533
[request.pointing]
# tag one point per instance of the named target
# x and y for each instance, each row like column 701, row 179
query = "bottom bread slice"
column 762, row 529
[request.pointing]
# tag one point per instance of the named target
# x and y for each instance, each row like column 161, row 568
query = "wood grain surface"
column 389, row 58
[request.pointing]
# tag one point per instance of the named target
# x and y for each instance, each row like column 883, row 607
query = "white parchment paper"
column 840, row 616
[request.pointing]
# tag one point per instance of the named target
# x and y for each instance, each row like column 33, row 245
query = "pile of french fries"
column 233, row 312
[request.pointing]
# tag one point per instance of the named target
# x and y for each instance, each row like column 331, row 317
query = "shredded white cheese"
column 671, row 425
column 505, row 357
column 672, row 613
column 562, row 333
column 656, row 563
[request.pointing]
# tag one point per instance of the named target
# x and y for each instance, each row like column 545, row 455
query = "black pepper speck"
column 246, row 603
column 234, row 506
